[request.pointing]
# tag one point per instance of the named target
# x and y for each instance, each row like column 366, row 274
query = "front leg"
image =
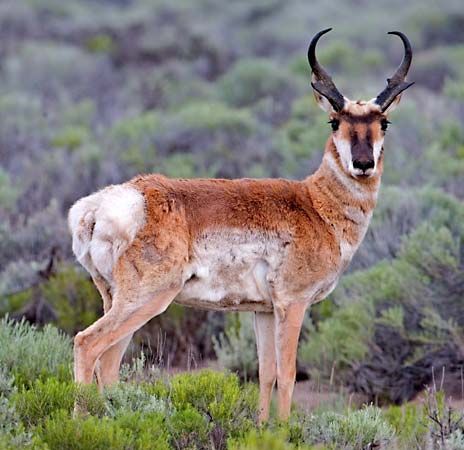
column 288, row 322
column 265, row 343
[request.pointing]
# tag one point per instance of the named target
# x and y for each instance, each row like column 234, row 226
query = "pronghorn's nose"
column 363, row 164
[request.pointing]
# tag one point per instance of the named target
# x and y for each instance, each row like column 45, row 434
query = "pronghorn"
column 271, row 246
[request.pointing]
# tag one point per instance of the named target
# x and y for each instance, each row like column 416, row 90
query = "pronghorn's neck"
column 344, row 202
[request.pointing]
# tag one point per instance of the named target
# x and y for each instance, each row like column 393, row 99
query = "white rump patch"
column 103, row 225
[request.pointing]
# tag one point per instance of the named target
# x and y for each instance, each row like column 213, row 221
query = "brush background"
column 94, row 92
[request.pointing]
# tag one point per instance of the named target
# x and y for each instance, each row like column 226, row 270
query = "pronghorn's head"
column 358, row 127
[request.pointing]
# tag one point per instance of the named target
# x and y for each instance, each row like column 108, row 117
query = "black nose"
column 363, row 164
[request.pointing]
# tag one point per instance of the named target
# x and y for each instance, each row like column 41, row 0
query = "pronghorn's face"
column 358, row 131
column 358, row 127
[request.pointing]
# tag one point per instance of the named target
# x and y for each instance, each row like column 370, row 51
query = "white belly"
column 229, row 270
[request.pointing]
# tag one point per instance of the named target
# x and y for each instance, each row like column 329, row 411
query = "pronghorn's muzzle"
column 364, row 164
column 362, row 155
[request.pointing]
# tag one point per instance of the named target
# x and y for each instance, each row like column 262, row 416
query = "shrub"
column 408, row 422
column 456, row 440
column 9, row 191
column 265, row 439
column 90, row 400
column 215, row 117
column 365, row 428
column 132, row 139
column 398, row 215
column 126, row 397
column 9, row 419
column 396, row 320
column 149, row 429
column 217, row 396
column 29, row 353
column 251, row 80
column 12, row 433
column 340, row 341
column 236, row 348
column 42, row 399
column 61, row 432
column 189, row 429
column 74, row 299
column 100, row 43
column 6, row 383
column 70, row 137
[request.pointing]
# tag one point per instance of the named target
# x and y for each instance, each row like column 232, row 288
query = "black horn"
column 396, row 84
column 321, row 81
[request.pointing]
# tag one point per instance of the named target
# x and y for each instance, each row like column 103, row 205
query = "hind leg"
column 107, row 367
column 123, row 319
column 109, row 363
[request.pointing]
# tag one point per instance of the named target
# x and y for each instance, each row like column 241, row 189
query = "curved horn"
column 321, row 81
column 396, row 84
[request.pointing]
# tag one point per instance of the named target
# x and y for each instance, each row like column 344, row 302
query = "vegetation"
column 198, row 410
column 92, row 93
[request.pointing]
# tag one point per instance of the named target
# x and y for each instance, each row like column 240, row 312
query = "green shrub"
column 189, row 429
column 218, row 396
column 12, row 433
column 100, row 43
column 60, row 432
column 215, row 117
column 408, row 422
column 90, row 400
column 393, row 317
column 236, row 348
column 365, row 428
column 180, row 165
column 300, row 138
column 29, row 353
column 251, row 80
column 340, row 55
column 6, row 383
column 74, row 298
column 14, row 302
column 125, row 397
column 71, row 137
column 133, row 139
column 149, row 429
column 265, row 439
column 340, row 341
column 9, row 191
column 42, row 399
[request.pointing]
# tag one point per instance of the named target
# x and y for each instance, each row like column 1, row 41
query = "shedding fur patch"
column 229, row 270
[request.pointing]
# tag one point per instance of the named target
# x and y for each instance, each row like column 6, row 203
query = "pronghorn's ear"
column 392, row 106
column 322, row 101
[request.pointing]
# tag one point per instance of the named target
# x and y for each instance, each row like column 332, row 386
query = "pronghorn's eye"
column 335, row 123
column 384, row 124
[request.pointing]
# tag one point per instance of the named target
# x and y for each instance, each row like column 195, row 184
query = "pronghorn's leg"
column 265, row 343
column 107, row 367
column 287, row 331
column 124, row 318
column 109, row 363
